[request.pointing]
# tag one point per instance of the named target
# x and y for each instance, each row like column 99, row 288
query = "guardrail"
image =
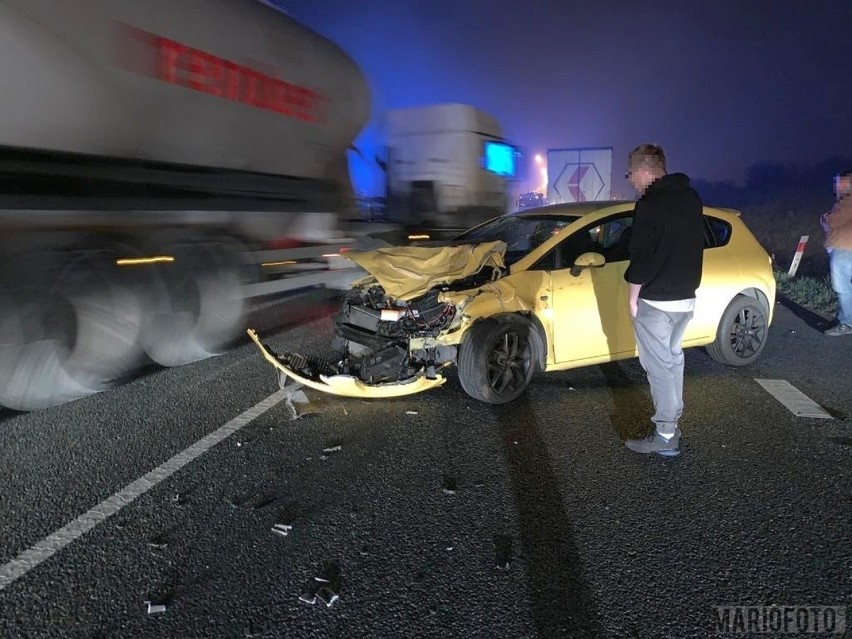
column 302, row 267
column 319, row 265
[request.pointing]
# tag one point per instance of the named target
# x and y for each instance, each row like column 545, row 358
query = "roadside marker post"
column 800, row 249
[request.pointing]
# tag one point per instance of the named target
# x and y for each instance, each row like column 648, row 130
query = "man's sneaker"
column 840, row 329
column 654, row 443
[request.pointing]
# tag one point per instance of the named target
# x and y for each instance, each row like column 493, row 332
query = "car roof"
column 579, row 209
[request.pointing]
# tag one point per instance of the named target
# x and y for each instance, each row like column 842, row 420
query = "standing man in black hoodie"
column 666, row 257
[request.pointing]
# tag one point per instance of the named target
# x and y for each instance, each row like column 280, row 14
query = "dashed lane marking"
column 50, row 545
column 793, row 399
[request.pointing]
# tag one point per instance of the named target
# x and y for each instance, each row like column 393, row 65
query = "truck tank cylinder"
column 146, row 148
column 218, row 83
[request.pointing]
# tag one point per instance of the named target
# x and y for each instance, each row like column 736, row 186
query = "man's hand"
column 633, row 300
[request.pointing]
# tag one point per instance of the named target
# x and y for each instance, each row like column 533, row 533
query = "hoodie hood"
column 671, row 181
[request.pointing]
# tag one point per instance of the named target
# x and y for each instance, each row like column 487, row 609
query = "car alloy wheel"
column 509, row 362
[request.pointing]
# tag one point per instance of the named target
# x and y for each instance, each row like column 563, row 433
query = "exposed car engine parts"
column 372, row 331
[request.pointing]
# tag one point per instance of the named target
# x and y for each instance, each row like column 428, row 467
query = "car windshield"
column 521, row 233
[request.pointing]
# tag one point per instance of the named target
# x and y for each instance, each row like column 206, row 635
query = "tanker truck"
column 155, row 158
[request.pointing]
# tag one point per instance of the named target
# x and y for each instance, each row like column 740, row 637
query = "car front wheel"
column 496, row 360
column 741, row 336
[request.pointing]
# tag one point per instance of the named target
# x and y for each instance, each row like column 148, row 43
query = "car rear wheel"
column 741, row 336
column 496, row 360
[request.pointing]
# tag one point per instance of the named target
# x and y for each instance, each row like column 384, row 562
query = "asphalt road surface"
column 437, row 516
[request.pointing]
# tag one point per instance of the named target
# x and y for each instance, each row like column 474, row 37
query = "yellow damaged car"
column 541, row 290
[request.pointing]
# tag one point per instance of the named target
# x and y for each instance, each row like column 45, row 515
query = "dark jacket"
column 667, row 240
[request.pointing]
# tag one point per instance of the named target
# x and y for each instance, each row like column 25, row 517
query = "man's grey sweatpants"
column 658, row 338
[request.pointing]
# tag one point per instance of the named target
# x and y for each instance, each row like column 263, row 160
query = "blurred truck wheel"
column 198, row 308
column 70, row 324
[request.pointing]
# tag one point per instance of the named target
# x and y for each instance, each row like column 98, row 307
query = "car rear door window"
column 717, row 232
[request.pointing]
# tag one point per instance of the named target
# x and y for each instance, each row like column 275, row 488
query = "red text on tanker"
column 186, row 66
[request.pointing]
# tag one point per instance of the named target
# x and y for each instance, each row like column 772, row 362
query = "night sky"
column 721, row 85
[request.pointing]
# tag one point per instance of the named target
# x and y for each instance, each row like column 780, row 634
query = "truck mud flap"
column 313, row 376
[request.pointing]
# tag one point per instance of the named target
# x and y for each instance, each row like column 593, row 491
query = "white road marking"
column 50, row 545
column 793, row 399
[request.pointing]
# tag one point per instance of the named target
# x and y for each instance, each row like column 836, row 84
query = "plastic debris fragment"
column 327, row 596
column 299, row 397
column 282, row 529
column 411, row 412
column 154, row 608
column 323, row 586
column 298, row 404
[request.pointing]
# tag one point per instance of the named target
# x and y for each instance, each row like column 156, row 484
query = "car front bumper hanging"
column 345, row 385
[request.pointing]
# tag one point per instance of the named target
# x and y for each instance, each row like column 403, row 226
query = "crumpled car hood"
column 407, row 272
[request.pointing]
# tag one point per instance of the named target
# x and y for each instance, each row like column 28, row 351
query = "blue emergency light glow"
column 500, row 158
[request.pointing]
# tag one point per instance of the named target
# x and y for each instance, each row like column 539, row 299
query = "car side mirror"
column 587, row 260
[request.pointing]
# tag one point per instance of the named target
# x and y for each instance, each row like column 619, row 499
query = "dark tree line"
column 771, row 182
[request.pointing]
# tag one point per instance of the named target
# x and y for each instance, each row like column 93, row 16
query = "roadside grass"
column 810, row 291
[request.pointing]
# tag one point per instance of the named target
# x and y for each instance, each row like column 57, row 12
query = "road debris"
column 329, row 451
column 327, row 596
column 298, row 404
column 411, row 412
column 503, row 551
column 324, row 586
column 159, row 542
column 449, row 485
column 154, row 608
column 282, row 529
